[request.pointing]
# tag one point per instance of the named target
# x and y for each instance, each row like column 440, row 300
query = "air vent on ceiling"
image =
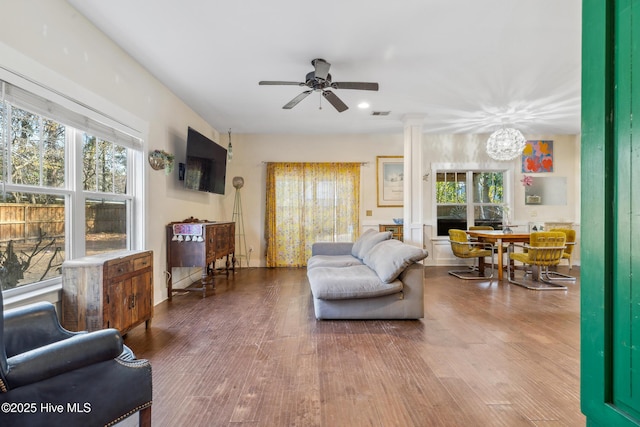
column 380, row 113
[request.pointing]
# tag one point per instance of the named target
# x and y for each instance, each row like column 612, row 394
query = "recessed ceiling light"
column 363, row 105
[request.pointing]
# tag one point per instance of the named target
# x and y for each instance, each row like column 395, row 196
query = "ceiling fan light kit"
column 505, row 144
column 319, row 80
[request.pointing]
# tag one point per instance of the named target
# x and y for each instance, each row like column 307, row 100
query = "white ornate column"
column 413, row 203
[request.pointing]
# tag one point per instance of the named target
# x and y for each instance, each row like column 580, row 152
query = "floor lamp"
column 241, row 241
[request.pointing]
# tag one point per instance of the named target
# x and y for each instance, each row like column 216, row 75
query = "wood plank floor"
column 253, row 354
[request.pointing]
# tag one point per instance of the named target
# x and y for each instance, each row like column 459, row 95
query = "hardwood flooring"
column 252, row 354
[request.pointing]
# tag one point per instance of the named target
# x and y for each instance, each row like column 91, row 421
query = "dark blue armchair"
column 52, row 377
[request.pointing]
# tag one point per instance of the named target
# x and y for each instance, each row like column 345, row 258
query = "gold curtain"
column 307, row 203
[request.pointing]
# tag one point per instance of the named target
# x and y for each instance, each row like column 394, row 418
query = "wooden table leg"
column 500, row 254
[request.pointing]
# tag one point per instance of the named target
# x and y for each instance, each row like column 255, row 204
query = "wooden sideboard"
column 397, row 230
column 199, row 244
column 111, row 290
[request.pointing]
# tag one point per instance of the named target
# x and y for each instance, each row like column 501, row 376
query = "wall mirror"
column 546, row 190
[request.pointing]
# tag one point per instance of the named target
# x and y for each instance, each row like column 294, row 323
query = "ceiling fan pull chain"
column 320, row 103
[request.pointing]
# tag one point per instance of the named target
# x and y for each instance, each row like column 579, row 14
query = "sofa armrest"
column 63, row 356
column 331, row 248
column 413, row 281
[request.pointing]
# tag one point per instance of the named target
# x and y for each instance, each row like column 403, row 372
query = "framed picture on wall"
column 537, row 157
column 390, row 180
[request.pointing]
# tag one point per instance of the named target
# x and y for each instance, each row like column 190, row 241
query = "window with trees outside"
column 466, row 198
column 66, row 188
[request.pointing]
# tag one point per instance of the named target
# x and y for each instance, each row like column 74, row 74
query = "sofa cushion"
column 368, row 240
column 332, row 261
column 391, row 257
column 358, row 281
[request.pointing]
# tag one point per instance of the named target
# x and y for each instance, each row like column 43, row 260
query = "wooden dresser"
column 111, row 290
column 396, row 230
column 199, row 244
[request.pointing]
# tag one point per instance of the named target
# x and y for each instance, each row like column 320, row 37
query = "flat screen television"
column 206, row 166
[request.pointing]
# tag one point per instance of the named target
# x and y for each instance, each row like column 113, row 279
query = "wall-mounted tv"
column 206, row 166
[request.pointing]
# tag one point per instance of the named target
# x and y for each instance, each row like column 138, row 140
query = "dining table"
column 498, row 238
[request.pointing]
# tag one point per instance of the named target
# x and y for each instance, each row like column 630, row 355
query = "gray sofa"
column 373, row 278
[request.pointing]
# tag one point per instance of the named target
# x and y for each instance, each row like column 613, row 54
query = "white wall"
column 48, row 41
column 251, row 151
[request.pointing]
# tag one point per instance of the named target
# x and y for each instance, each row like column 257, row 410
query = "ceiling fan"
column 320, row 80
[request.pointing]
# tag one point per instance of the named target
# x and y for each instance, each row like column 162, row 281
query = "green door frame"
column 607, row 397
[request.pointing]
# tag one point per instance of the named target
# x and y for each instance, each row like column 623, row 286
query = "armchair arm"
column 63, row 356
column 529, row 247
column 546, row 248
column 473, row 243
column 32, row 326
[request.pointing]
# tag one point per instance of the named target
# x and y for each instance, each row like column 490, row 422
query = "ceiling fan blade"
column 267, row 82
column 355, row 85
column 297, row 99
column 321, row 68
column 334, row 100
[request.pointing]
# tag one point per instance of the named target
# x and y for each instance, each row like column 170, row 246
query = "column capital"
column 413, row 119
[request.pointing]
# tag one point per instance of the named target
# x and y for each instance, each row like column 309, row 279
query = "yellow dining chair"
column 488, row 228
column 570, row 242
column 544, row 250
column 481, row 227
column 464, row 248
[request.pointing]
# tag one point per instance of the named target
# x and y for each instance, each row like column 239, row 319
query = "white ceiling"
column 464, row 65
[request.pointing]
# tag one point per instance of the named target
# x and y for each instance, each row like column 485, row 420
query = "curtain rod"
column 362, row 163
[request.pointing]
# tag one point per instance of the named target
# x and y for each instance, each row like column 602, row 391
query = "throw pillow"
column 357, row 245
column 368, row 240
column 390, row 258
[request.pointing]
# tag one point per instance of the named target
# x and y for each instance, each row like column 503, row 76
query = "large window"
column 66, row 188
column 466, row 198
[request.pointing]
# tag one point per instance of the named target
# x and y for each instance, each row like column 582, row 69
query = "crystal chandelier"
column 505, row 144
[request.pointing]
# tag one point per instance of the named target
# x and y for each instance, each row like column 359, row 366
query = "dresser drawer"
column 394, row 229
column 142, row 262
column 397, row 231
column 119, row 268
